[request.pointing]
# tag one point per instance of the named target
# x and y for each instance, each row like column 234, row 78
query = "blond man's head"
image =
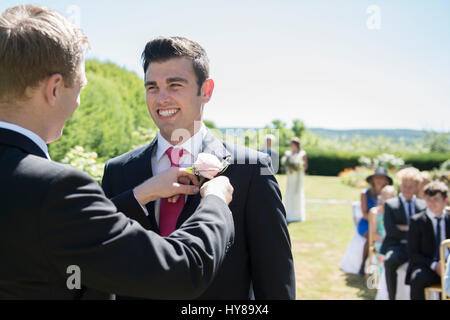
column 35, row 43
column 410, row 179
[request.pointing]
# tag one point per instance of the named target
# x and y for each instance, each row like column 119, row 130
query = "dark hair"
column 436, row 187
column 297, row 142
column 164, row 48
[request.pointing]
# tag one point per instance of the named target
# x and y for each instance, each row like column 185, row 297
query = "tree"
column 298, row 127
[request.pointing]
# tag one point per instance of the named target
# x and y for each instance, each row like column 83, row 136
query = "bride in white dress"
column 296, row 163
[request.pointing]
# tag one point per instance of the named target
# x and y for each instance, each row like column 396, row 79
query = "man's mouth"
column 167, row 113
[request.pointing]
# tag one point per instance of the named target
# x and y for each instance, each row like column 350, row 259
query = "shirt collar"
column 413, row 199
column 27, row 133
column 193, row 145
column 432, row 216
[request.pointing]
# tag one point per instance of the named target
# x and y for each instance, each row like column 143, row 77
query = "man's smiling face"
column 173, row 97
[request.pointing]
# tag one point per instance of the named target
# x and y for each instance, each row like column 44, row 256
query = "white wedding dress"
column 294, row 200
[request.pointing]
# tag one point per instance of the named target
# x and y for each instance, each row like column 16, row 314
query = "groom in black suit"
column 397, row 214
column 427, row 230
column 60, row 237
column 177, row 84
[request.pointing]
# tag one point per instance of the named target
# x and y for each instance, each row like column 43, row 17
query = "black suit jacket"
column 53, row 216
column 274, row 157
column 422, row 242
column 261, row 254
column 394, row 214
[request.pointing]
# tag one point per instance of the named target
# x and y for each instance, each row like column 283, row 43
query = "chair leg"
column 427, row 294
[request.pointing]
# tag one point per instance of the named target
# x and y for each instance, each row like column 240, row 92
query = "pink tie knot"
column 174, row 155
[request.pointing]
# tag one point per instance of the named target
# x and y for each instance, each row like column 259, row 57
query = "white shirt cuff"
column 143, row 208
column 433, row 266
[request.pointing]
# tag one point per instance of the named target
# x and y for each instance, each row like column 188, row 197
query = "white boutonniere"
column 208, row 166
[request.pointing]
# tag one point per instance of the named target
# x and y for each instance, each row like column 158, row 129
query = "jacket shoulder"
column 420, row 216
column 126, row 157
column 245, row 155
column 393, row 203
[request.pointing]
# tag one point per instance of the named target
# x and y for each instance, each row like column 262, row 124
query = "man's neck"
column 25, row 117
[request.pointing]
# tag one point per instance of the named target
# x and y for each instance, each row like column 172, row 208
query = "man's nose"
column 163, row 96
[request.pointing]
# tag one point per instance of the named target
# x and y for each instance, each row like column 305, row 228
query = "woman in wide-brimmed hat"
column 369, row 199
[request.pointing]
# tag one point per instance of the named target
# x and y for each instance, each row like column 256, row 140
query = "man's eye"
column 151, row 88
column 175, row 85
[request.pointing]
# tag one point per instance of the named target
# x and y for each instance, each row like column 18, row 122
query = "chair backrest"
column 444, row 246
column 357, row 212
column 372, row 228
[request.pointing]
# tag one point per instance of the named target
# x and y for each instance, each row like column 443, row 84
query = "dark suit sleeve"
column 125, row 201
column 390, row 224
column 415, row 237
column 272, row 266
column 80, row 226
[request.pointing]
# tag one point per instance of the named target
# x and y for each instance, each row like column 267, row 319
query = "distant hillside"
column 406, row 134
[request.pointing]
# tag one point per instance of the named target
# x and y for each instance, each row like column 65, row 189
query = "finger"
column 193, row 178
column 174, row 198
column 184, row 180
column 190, row 190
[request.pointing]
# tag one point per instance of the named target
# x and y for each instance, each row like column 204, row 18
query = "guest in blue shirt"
column 369, row 199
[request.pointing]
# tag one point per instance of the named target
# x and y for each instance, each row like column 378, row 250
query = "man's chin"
column 174, row 134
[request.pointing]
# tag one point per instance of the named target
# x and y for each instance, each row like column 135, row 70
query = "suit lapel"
column 212, row 145
column 403, row 211
column 18, row 140
column 140, row 170
column 429, row 229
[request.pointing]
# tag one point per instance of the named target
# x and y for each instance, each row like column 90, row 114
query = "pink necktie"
column 169, row 212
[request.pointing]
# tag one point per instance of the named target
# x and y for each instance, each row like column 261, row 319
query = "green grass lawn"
column 319, row 243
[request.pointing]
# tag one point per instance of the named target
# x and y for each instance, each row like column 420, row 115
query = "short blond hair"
column 35, row 43
column 388, row 190
column 410, row 174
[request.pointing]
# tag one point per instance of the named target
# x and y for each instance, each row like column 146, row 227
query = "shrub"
column 85, row 161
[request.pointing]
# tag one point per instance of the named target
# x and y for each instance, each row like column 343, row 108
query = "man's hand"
column 166, row 185
column 220, row 187
column 403, row 227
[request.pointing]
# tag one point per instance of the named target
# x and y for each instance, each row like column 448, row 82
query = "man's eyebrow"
column 176, row 79
column 169, row 80
column 150, row 83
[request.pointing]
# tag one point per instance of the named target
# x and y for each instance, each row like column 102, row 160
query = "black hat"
column 380, row 171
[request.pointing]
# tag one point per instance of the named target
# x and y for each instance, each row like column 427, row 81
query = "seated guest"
column 426, row 179
column 427, row 230
column 397, row 213
column 369, row 199
column 376, row 215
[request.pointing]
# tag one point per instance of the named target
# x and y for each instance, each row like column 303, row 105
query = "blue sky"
column 313, row 60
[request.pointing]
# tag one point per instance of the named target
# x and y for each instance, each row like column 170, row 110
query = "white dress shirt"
column 27, row 133
column 405, row 204
column 160, row 160
column 432, row 217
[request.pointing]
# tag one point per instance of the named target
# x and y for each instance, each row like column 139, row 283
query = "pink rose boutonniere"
column 208, row 166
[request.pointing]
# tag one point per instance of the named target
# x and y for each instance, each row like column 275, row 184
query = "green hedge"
column 427, row 161
column 331, row 164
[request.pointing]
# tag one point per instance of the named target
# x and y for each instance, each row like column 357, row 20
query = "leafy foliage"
column 85, row 161
column 112, row 108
